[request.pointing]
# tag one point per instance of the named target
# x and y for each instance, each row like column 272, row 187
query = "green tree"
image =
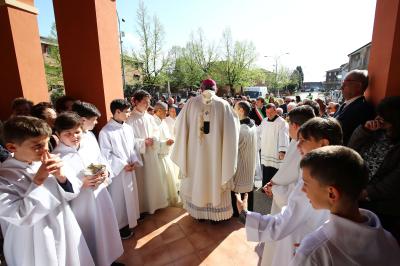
column 151, row 36
column 236, row 59
column 52, row 63
column 301, row 76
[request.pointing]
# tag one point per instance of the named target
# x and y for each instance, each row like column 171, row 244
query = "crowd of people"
column 68, row 197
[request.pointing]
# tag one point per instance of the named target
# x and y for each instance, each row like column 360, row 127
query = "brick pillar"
column 89, row 48
column 21, row 62
column 384, row 62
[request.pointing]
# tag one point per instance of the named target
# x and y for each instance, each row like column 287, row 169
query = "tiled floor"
column 172, row 237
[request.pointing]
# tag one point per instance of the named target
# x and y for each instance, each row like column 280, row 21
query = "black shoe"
column 116, row 263
column 125, row 233
column 142, row 216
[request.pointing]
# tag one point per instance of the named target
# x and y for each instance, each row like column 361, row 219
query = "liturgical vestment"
column 205, row 150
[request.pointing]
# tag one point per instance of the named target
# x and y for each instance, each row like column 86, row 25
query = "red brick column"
column 89, row 48
column 384, row 62
column 21, row 62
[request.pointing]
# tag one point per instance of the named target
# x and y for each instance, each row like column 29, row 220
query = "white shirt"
column 343, row 242
column 296, row 220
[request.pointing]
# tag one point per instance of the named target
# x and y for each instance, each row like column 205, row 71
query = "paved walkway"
column 172, row 237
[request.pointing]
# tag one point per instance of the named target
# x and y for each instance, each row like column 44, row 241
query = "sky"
column 317, row 34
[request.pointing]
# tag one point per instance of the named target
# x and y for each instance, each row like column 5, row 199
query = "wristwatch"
column 243, row 216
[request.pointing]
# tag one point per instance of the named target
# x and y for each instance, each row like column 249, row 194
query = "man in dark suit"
column 355, row 110
column 258, row 112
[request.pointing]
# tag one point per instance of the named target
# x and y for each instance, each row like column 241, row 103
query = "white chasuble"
column 118, row 146
column 152, row 185
column 206, row 150
column 93, row 208
column 40, row 228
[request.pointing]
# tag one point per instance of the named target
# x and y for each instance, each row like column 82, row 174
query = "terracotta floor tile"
column 158, row 256
column 189, row 260
column 218, row 256
column 145, row 227
column 172, row 233
column 145, row 246
column 200, row 239
column 171, row 237
column 205, row 252
column 190, row 225
column 180, row 248
column 129, row 244
column 131, row 258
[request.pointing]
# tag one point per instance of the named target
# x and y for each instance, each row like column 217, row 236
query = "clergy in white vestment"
column 243, row 180
column 38, row 225
column 273, row 141
column 118, row 146
column 351, row 236
column 152, row 186
column 169, row 170
column 206, row 150
column 93, row 208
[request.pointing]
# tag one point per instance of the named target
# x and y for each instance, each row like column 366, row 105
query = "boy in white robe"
column 37, row 222
column 298, row 218
column 89, row 114
column 169, row 170
column 351, row 236
column 118, row 146
column 151, row 183
column 284, row 181
column 93, row 207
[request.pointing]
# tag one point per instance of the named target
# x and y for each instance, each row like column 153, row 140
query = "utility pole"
column 122, row 53
column 276, row 69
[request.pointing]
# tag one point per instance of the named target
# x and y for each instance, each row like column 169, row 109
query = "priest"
column 205, row 150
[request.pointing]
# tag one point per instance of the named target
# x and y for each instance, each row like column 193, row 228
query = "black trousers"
column 250, row 202
column 268, row 174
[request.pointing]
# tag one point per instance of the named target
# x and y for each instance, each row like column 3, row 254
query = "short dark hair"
column 314, row 105
column 61, row 103
column 270, row 105
column 245, row 106
column 389, row 110
column 38, row 109
column 340, row 167
column 119, row 104
column 301, row 114
column 322, row 128
column 85, row 109
column 20, row 128
column 261, row 99
column 140, row 94
column 20, row 101
column 66, row 121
